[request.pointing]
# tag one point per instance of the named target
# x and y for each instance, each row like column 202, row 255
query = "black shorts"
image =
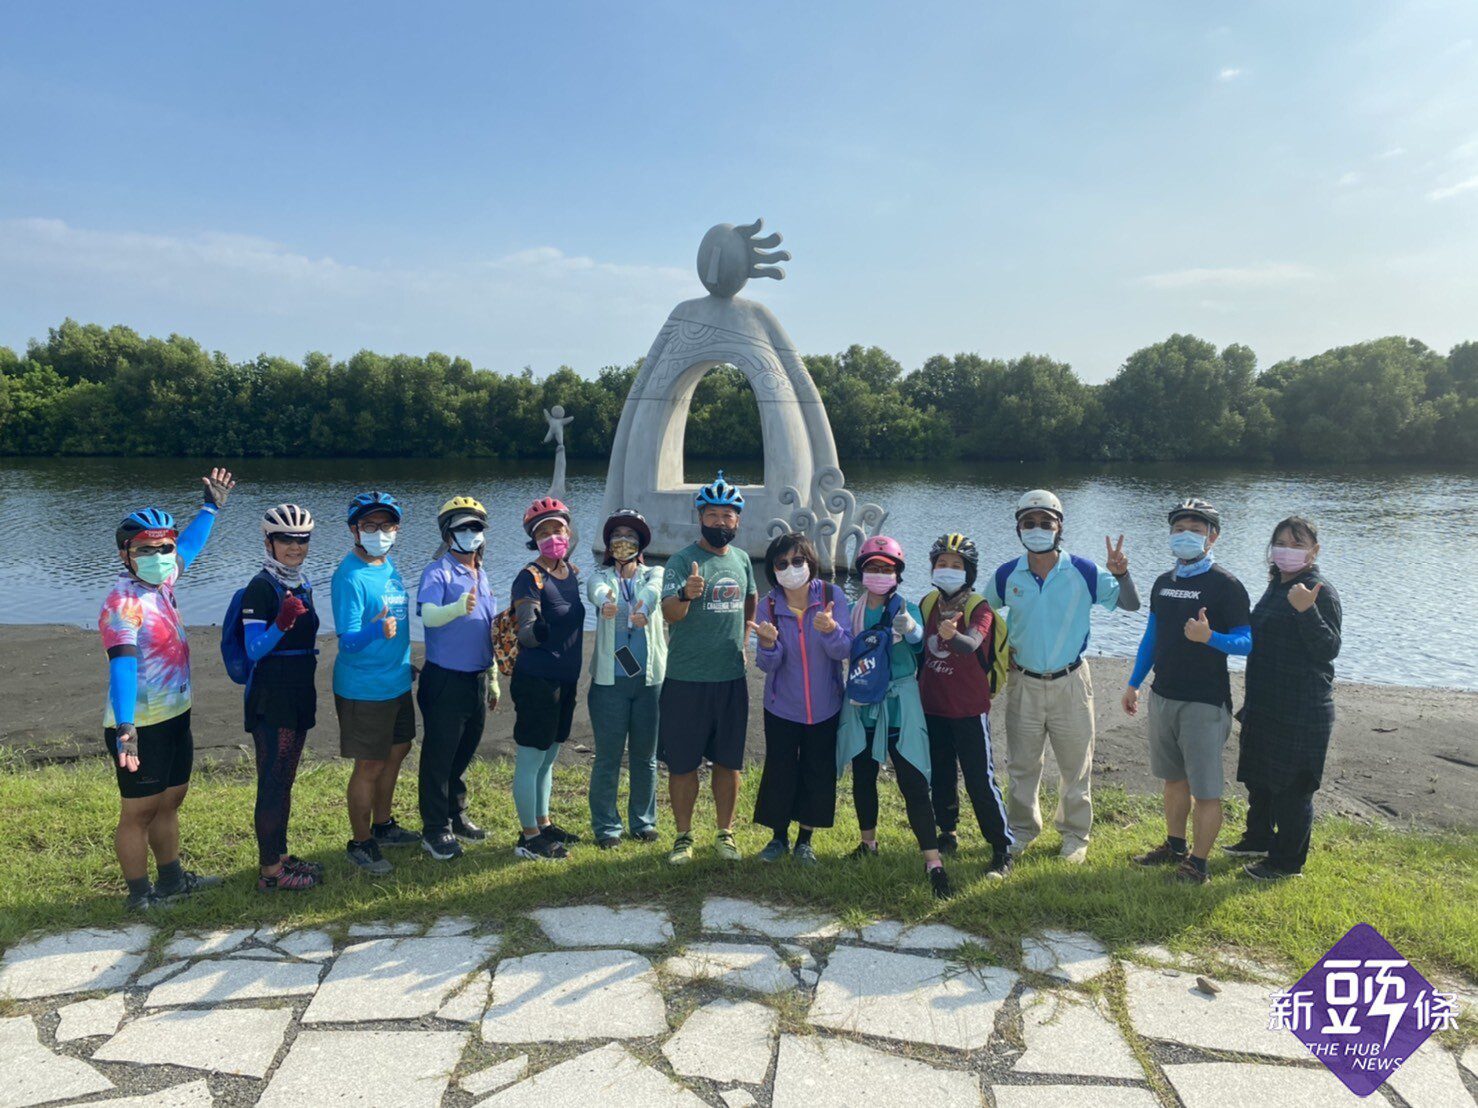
column 369, row 728
column 166, row 757
column 543, row 710
column 702, row 719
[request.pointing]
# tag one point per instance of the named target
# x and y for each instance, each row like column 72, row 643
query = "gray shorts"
column 1186, row 740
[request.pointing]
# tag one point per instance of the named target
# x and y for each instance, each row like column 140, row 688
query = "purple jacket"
column 803, row 673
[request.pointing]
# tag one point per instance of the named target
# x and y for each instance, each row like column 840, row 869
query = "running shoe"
column 1074, row 855
column 1191, row 873
column 939, row 884
column 367, row 856
column 1000, row 866
column 805, row 854
column 1245, row 848
column 541, row 848
column 557, row 833
column 726, row 848
column 648, row 836
column 608, row 842
column 682, row 850
column 1162, row 855
column 390, row 833
column 189, row 884
column 142, row 902
column 1261, row 871
column 774, row 850
column 443, row 847
column 287, row 880
column 864, row 851
column 949, row 842
column 466, row 830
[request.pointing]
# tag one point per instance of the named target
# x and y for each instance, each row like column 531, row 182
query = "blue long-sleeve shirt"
column 1236, row 641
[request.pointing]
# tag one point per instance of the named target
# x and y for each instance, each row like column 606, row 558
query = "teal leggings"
column 533, row 778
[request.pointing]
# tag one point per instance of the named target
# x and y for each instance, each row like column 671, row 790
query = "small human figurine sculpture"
column 557, row 421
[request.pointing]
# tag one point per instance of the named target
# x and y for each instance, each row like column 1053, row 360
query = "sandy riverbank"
column 1401, row 754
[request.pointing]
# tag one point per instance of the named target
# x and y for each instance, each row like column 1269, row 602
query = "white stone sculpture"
column 557, row 421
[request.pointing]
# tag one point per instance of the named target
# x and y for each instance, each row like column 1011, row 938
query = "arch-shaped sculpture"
column 804, row 489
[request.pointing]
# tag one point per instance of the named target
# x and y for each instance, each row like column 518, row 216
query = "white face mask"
column 466, row 541
column 950, row 581
column 793, row 577
column 377, row 543
column 1038, row 540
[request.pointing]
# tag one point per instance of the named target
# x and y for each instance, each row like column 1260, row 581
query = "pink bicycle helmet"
column 880, row 546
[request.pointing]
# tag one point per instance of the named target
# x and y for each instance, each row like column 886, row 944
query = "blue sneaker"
column 774, row 850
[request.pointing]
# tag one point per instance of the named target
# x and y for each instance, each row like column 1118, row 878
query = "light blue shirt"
column 1048, row 618
column 382, row 670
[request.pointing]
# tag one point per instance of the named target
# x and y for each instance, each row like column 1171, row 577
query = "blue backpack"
column 239, row 664
column 870, row 670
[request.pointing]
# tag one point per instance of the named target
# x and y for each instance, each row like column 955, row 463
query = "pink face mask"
column 554, row 547
column 1290, row 559
column 880, row 584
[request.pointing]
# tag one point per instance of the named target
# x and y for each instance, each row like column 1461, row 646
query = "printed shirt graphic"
column 382, row 670
column 135, row 614
column 1187, row 670
column 951, row 684
column 708, row 645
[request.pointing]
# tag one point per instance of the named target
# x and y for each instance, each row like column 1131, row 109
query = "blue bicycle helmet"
column 720, row 494
column 145, row 519
column 367, row 502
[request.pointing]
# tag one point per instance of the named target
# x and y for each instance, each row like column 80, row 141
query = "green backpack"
column 994, row 654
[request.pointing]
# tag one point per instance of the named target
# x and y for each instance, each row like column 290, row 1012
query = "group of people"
column 847, row 684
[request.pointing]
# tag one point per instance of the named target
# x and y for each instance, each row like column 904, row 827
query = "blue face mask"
column 377, row 543
column 154, row 569
column 1187, row 545
column 950, row 581
column 1038, row 540
column 466, row 541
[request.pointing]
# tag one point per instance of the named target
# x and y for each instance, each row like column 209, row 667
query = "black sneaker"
column 443, row 847
column 390, row 833
column 1261, row 871
column 143, row 902
column 1245, row 848
column 540, row 848
column 949, row 842
column 466, row 830
column 648, row 836
column 608, row 842
column 367, row 856
column 1162, row 855
column 189, row 884
column 1000, row 866
column 556, row 833
column 863, row 851
column 1190, row 873
column 939, row 883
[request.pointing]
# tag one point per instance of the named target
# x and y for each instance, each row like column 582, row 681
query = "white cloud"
column 1392, row 152
column 1351, row 178
column 1229, row 73
column 1229, row 277
column 1446, row 192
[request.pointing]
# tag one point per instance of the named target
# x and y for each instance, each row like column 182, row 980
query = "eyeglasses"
column 161, row 548
column 373, row 528
column 476, row 528
column 797, row 562
column 291, row 540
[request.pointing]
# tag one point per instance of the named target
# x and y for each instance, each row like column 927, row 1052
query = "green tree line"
column 88, row 389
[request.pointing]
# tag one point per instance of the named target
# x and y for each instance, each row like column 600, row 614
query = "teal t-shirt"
column 382, row 670
column 708, row 645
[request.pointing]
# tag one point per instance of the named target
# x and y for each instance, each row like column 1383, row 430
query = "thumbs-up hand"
column 825, row 622
column 950, row 626
column 608, row 609
column 289, row 611
column 1302, row 597
column 470, row 600
column 767, row 633
column 1199, row 628
column 638, row 615
column 387, row 622
column 693, row 587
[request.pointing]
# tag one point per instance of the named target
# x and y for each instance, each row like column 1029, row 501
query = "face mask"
column 554, row 547
column 1187, row 545
column 718, row 537
column 950, row 581
column 377, row 543
column 624, row 550
column 879, row 584
column 1290, row 559
column 466, row 541
column 1038, row 540
column 793, row 577
column 154, row 568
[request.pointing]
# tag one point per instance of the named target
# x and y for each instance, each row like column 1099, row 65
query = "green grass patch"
column 1420, row 889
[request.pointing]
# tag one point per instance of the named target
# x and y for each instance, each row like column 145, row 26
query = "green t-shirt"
column 708, row 645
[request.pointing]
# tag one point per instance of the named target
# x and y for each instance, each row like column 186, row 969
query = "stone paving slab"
column 241, row 1041
column 738, row 1098
column 1070, row 956
column 447, row 926
column 725, row 915
column 1470, row 1060
column 203, row 946
column 814, row 1072
column 314, row 946
column 371, row 1069
column 1070, row 1036
column 216, row 982
column 87, row 1018
column 380, row 930
column 73, row 962
column 35, row 1075
column 743, row 965
column 1430, row 1076
column 391, row 979
column 255, row 954
column 495, row 1076
column 574, row 994
column 1075, row 1096
column 910, row 998
column 598, row 925
column 192, row 1094
column 469, row 1002
column 608, row 1076
column 922, row 936
column 1165, row 1004
column 158, row 974
column 1217, row 1084
column 725, row 1040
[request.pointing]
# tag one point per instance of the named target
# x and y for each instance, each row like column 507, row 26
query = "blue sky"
column 527, row 184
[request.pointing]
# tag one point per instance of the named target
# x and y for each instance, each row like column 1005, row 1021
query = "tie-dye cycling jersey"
column 135, row 614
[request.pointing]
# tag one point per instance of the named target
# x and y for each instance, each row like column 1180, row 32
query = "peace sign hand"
column 767, row 633
column 1117, row 561
column 824, row 621
column 1302, row 597
column 950, row 627
column 694, row 585
column 1199, row 628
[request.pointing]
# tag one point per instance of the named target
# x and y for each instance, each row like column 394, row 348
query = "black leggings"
column 278, row 751
column 957, row 745
column 911, row 783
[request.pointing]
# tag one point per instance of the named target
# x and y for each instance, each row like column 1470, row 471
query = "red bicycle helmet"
column 880, row 546
column 544, row 508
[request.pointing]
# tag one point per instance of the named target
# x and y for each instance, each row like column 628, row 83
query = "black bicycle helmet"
column 627, row 517
column 964, row 546
column 1197, row 508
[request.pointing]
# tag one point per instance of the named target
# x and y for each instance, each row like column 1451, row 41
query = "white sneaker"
column 1018, row 848
column 1074, row 855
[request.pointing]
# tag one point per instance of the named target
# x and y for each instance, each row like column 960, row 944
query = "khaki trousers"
column 1059, row 712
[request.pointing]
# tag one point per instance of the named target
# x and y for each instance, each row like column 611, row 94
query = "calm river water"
column 1398, row 543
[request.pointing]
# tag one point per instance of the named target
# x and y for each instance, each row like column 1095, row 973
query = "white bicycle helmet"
column 287, row 519
column 1039, row 500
